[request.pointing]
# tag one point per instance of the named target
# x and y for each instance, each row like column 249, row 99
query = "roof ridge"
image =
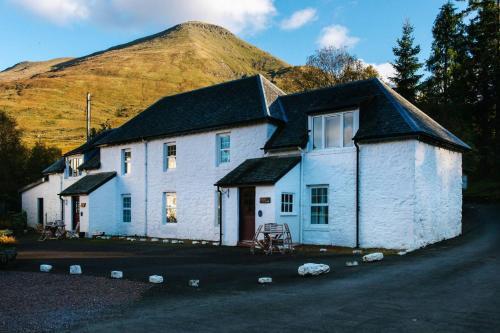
column 401, row 110
column 263, row 95
column 329, row 87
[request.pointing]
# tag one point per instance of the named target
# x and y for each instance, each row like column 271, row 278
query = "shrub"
column 7, row 240
column 14, row 221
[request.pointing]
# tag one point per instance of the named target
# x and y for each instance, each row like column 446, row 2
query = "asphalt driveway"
column 451, row 286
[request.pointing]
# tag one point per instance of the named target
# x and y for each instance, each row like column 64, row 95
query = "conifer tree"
column 406, row 64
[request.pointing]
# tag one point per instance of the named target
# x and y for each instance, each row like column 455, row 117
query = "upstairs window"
column 223, row 148
column 334, row 130
column 126, row 208
column 170, row 153
column 126, row 161
column 73, row 164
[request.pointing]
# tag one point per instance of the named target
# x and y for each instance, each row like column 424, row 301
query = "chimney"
column 88, row 117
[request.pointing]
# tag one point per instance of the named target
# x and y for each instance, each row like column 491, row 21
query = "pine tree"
column 483, row 73
column 406, row 64
column 446, row 61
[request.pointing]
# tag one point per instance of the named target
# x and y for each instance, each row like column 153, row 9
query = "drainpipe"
column 357, row 193
column 302, row 155
column 145, row 188
column 219, row 209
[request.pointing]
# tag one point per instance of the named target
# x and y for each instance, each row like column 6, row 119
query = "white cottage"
column 351, row 165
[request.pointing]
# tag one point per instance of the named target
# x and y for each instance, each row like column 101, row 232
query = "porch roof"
column 259, row 171
column 88, row 184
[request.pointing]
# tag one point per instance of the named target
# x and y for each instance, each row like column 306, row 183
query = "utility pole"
column 88, row 117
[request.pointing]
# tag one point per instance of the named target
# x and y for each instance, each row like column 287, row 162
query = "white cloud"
column 236, row 15
column 57, row 11
column 298, row 19
column 336, row 36
column 386, row 70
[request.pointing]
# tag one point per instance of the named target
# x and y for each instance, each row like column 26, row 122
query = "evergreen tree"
column 483, row 74
column 406, row 64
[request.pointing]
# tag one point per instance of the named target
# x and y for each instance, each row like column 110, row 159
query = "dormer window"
column 126, row 161
column 334, row 130
column 73, row 164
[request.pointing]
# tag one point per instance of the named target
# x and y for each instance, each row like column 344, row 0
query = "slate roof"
column 88, row 184
column 91, row 144
column 219, row 106
column 383, row 114
column 56, row 167
column 259, row 171
column 92, row 160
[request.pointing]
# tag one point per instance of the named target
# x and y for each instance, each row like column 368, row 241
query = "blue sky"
column 292, row 30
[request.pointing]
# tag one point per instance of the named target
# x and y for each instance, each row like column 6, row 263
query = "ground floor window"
column 126, row 208
column 319, row 205
column 287, row 203
column 170, row 207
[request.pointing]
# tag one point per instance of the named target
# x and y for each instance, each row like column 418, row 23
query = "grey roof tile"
column 88, row 183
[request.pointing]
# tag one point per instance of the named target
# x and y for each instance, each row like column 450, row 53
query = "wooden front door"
column 75, row 208
column 247, row 213
column 40, row 211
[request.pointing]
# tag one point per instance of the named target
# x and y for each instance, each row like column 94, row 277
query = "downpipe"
column 357, row 193
column 219, row 216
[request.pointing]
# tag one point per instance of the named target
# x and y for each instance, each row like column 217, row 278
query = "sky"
column 37, row 30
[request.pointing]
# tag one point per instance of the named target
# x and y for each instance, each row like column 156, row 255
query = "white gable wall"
column 47, row 190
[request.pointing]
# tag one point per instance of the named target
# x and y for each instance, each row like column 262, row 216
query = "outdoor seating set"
column 57, row 230
column 272, row 237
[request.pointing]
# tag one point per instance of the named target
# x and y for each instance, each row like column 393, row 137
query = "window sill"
column 322, row 228
column 288, row 214
column 326, row 151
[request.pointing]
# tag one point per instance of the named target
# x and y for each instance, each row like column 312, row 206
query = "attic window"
column 334, row 130
column 73, row 164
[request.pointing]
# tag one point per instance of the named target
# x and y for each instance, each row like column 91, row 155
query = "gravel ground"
column 49, row 302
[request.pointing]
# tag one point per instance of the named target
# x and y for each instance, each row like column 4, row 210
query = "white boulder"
column 351, row 263
column 75, row 269
column 194, row 283
column 116, row 274
column 402, row 253
column 264, row 280
column 313, row 269
column 357, row 251
column 45, row 268
column 204, row 242
column 195, row 242
column 215, row 243
column 156, row 279
column 323, row 250
column 165, row 241
column 155, row 240
column 142, row 239
column 375, row 256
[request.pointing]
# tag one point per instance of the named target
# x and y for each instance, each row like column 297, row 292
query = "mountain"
column 48, row 98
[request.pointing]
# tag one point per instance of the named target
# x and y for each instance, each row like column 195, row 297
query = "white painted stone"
column 204, row 242
column 313, row 269
column 116, row 274
column 45, row 268
column 357, row 251
column 142, row 239
column 75, row 269
column 195, row 242
column 323, row 250
column 264, row 280
column 402, row 253
column 155, row 240
column 375, row 256
column 174, row 241
column 156, row 279
column 194, row 283
column 165, row 241
column 351, row 263
column 215, row 243
column 180, row 242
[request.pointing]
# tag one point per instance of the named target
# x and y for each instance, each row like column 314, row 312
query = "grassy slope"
column 48, row 98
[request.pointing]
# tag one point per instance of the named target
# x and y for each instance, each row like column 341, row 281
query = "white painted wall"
column 438, row 194
column 103, row 212
column 47, row 190
column 193, row 180
column 290, row 183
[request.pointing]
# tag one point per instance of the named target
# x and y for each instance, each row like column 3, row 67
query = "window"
column 319, row 205
column 223, row 148
column 334, row 130
column 170, row 153
column 126, row 161
column 126, row 208
column 73, row 164
column 287, row 203
column 171, row 207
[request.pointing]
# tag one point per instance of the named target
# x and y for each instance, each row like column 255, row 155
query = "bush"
column 16, row 222
column 7, row 240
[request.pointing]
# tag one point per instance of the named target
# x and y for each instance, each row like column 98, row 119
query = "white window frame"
column 167, row 158
column 343, row 145
column 289, row 203
column 129, row 209
column 126, row 164
column 74, row 171
column 220, row 149
column 166, row 207
column 327, row 205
